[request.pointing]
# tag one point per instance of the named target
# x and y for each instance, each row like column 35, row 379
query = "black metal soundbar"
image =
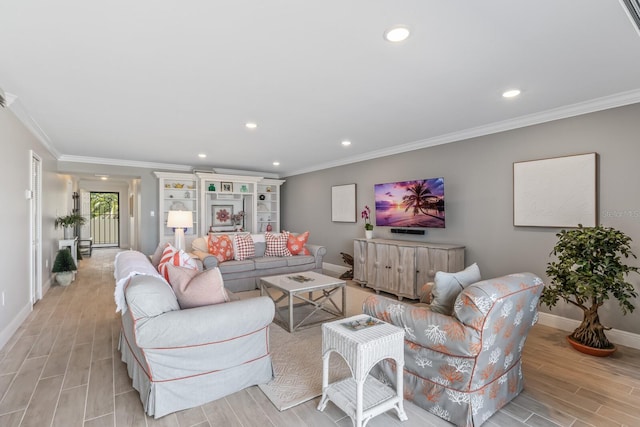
column 407, row 231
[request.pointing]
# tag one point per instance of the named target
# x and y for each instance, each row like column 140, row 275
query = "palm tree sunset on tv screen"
column 418, row 203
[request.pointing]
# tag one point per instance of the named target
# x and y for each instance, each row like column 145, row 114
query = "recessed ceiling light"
column 276, row 163
column 202, row 155
column 104, row 178
column 511, row 93
column 396, row 34
column 251, row 125
column 346, row 143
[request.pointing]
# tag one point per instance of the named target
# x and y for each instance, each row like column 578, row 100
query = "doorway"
column 105, row 219
column 35, row 228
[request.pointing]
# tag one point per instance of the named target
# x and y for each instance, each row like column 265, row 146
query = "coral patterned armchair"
column 465, row 367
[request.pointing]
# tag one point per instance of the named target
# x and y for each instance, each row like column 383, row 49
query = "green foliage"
column 63, row 262
column 70, row 220
column 103, row 204
column 589, row 270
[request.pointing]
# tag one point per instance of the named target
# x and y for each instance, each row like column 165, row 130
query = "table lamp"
column 180, row 221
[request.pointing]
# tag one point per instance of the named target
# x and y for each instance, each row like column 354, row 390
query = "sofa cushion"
column 171, row 255
column 296, row 243
column 221, row 247
column 237, row 266
column 448, row 286
column 196, row 289
column 260, row 248
column 243, row 247
column 277, row 244
column 270, row 262
column 300, row 260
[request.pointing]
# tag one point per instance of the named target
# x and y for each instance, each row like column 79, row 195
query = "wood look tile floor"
column 62, row 368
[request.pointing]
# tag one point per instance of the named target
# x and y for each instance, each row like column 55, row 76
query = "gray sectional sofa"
column 245, row 275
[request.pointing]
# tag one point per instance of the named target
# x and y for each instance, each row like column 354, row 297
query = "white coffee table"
column 362, row 349
column 303, row 292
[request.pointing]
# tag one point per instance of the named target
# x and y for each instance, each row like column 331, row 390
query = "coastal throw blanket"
column 127, row 265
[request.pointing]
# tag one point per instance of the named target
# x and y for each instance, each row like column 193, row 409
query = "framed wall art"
column 556, row 192
column 343, row 203
column 221, row 215
column 226, row 187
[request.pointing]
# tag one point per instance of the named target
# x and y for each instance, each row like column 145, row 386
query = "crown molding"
column 120, row 162
column 578, row 109
column 15, row 105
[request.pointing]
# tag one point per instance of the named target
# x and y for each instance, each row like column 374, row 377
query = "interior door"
column 35, row 219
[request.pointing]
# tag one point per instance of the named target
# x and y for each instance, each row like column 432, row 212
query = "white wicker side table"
column 362, row 349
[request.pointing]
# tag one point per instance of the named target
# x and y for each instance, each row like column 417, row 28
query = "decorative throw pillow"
column 296, row 244
column 277, row 244
column 195, row 289
column 447, row 286
column 221, row 247
column 243, row 247
column 157, row 255
column 171, row 255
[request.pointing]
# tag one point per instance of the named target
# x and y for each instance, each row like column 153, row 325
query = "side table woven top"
column 365, row 347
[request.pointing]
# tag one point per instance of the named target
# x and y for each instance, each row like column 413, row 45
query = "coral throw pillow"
column 244, row 247
column 296, row 244
column 277, row 244
column 195, row 289
column 221, row 247
column 171, row 255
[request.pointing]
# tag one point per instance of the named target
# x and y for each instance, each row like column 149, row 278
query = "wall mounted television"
column 418, row 203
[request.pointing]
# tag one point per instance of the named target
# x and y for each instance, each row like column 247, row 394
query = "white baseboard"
column 12, row 327
column 616, row 336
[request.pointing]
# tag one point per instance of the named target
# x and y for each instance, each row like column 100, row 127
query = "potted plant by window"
column 368, row 227
column 68, row 222
column 64, row 266
column 588, row 271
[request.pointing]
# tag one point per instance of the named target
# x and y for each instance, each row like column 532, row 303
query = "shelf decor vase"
column 368, row 234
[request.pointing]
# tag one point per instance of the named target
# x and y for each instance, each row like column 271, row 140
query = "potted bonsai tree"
column 67, row 223
column 589, row 270
column 64, row 266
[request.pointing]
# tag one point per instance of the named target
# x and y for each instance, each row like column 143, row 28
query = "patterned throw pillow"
column 196, row 289
column 244, row 247
column 296, row 244
column 221, row 247
column 171, row 255
column 277, row 244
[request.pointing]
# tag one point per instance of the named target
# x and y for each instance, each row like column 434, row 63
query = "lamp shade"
column 180, row 219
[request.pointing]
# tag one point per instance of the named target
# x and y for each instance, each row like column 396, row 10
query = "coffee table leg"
column 290, row 312
column 344, row 301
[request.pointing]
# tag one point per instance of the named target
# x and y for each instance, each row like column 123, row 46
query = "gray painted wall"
column 478, row 195
column 16, row 142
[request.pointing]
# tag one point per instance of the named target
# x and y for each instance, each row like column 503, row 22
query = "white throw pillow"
column 448, row 286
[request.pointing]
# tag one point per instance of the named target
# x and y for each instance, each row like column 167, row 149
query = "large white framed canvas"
column 343, row 203
column 556, row 192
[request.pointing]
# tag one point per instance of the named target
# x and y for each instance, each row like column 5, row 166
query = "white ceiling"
column 160, row 81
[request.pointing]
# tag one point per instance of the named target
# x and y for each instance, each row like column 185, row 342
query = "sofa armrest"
column 202, row 325
column 318, row 252
column 208, row 260
column 426, row 328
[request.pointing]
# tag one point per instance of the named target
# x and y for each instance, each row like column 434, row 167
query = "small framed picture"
column 226, row 187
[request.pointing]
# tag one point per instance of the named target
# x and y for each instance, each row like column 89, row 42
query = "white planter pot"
column 68, row 233
column 64, row 278
column 368, row 234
